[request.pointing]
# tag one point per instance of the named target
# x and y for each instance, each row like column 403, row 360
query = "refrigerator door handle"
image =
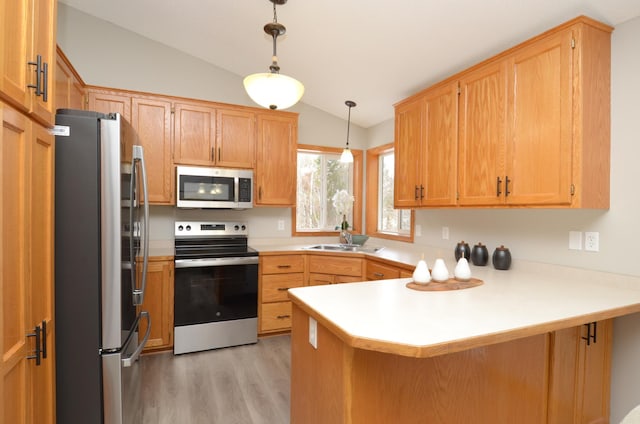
column 129, row 360
column 138, row 293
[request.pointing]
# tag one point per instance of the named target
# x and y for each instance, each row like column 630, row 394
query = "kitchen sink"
column 344, row 248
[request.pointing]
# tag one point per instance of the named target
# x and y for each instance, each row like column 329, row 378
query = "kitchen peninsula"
column 530, row 345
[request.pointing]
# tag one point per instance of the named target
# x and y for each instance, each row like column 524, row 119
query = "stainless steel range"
column 216, row 286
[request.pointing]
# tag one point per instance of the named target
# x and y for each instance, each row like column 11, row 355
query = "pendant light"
column 272, row 89
column 347, row 156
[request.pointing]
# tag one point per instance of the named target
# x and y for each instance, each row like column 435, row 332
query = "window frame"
column 373, row 156
column 357, row 191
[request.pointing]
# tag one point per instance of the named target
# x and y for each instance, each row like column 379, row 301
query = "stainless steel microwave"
column 214, row 188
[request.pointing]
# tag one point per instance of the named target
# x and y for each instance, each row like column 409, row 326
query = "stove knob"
column 188, row 227
column 235, row 227
column 244, row 227
column 180, row 228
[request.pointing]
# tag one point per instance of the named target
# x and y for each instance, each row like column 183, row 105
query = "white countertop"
column 531, row 299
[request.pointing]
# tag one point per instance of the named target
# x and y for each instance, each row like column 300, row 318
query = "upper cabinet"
column 276, row 158
column 533, row 125
column 151, row 125
column 70, row 93
column 27, row 48
column 210, row 136
column 426, row 147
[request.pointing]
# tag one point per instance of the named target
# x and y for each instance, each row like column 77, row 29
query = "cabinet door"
column 151, row 122
column 236, row 138
column 69, row 89
column 481, row 154
column 440, row 151
column 15, row 369
column 408, row 155
column 44, row 44
column 317, row 279
column 540, row 115
column 276, row 158
column 41, row 270
column 194, row 136
column 158, row 301
column 15, row 49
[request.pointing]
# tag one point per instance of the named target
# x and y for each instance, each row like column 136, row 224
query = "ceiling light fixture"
column 347, row 156
column 272, row 89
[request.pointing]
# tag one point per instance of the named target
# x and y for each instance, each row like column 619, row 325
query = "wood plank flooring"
column 237, row 385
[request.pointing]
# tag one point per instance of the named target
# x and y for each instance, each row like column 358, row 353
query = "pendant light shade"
column 272, row 89
column 347, row 156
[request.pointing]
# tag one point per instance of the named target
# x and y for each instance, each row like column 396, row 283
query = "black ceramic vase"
column 501, row 258
column 479, row 255
column 462, row 249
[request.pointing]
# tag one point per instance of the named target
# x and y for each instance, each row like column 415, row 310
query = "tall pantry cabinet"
column 27, row 109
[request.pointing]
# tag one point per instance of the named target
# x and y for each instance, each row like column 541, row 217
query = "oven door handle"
column 200, row 263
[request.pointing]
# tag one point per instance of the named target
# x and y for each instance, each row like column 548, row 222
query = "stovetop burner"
column 202, row 240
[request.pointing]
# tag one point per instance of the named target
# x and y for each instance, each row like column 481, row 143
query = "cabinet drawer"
column 281, row 264
column 275, row 316
column 336, row 265
column 320, row 279
column 274, row 286
column 377, row 271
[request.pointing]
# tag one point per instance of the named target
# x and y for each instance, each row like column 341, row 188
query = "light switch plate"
column 575, row 240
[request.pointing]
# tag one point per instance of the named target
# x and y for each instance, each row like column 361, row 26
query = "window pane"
column 389, row 219
column 320, row 176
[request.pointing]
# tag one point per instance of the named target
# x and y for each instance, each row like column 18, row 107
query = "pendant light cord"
column 348, row 126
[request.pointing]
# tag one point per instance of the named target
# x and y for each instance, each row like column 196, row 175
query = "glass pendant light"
column 274, row 90
column 347, row 156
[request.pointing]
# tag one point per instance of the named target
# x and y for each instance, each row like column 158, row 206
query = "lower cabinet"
column 334, row 270
column 278, row 274
column 580, row 374
column 381, row 271
column 158, row 301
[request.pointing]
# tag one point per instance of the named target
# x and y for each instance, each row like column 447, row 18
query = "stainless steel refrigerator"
column 101, row 256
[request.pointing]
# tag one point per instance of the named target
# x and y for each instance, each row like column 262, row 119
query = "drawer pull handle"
column 284, row 266
column 378, row 274
column 283, row 288
column 283, row 316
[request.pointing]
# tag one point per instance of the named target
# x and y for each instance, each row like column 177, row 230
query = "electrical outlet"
column 418, row 231
column 313, row 333
column 281, row 225
column 592, row 241
column 445, row 233
column 575, row 240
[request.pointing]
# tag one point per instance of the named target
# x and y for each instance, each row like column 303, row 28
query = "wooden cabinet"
column 377, row 270
column 533, row 126
column 151, row 124
column 70, row 93
column 158, row 301
column 426, row 147
column 276, row 158
column 27, row 38
column 580, row 374
column 324, row 269
column 26, row 278
column 210, row 136
column 278, row 273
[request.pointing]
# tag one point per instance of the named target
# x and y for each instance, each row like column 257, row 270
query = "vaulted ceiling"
column 373, row 52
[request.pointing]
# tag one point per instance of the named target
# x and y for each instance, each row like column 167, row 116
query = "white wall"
column 110, row 56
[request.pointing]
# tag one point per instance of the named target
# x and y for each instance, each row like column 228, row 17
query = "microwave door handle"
column 129, row 360
column 236, row 189
column 138, row 294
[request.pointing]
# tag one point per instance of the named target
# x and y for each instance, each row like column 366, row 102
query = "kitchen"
column 536, row 235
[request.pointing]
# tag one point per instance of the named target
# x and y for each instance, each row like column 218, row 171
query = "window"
column 320, row 176
column 382, row 219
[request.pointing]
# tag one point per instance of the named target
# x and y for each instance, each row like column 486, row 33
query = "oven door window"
column 219, row 293
column 195, row 187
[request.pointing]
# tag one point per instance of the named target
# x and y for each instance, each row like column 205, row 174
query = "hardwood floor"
column 237, row 385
